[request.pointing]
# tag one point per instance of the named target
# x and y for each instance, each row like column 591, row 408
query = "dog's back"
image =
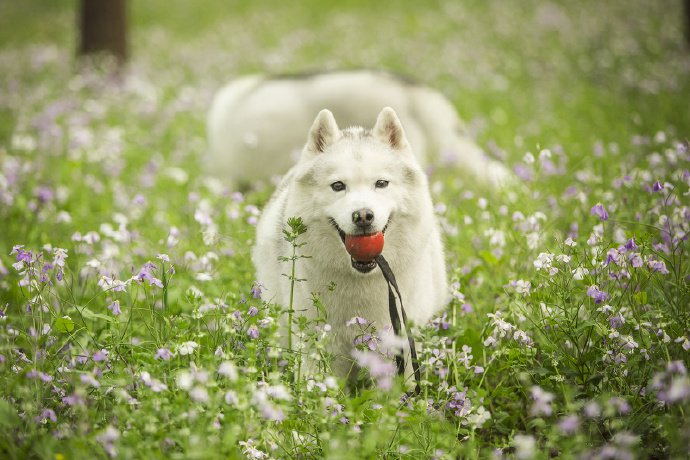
column 257, row 124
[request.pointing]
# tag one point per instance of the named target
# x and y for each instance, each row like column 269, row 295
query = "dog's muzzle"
column 360, row 266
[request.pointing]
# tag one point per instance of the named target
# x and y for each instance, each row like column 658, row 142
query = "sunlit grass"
column 131, row 321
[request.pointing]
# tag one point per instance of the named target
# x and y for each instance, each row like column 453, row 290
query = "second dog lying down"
column 256, row 124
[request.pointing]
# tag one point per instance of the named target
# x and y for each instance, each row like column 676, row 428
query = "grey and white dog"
column 256, row 124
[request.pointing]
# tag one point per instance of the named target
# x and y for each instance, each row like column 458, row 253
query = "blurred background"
column 520, row 73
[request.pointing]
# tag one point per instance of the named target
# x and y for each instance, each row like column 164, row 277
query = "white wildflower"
column 187, row 348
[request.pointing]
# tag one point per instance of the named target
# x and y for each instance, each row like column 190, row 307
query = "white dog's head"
column 356, row 182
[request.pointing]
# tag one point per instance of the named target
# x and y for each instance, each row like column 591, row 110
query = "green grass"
column 603, row 86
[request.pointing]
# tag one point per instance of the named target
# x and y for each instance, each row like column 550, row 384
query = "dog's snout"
column 363, row 217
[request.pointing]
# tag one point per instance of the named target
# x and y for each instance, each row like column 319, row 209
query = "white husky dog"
column 256, row 124
column 347, row 186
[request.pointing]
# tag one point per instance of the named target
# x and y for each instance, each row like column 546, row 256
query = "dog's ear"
column 389, row 130
column 324, row 131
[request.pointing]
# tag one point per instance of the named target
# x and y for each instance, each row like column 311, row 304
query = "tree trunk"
column 103, row 28
column 686, row 4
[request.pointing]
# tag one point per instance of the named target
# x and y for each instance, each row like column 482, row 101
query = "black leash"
column 395, row 321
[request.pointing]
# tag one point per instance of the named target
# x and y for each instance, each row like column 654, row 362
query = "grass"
column 530, row 358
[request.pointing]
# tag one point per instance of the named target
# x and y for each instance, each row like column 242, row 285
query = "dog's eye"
column 381, row 183
column 338, row 186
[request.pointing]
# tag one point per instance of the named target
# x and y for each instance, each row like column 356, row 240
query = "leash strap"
column 395, row 321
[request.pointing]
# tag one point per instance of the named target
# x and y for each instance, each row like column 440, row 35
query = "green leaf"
column 8, row 415
column 64, row 324
column 88, row 314
column 488, row 258
column 641, row 297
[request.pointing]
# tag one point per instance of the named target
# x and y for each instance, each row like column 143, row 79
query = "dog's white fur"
column 413, row 246
column 256, row 124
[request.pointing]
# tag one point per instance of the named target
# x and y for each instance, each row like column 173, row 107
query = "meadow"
column 131, row 324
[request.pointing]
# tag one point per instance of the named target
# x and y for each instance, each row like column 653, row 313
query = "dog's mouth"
column 362, row 266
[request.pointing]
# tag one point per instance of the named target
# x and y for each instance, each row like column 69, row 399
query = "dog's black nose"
column 363, row 217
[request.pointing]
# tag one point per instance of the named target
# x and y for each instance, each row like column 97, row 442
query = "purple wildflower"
column 599, row 211
column 357, row 320
column 59, row 256
column 657, row 186
column 459, row 403
column 598, row 295
column 44, row 194
column 523, row 172
column 271, row 412
column 155, row 282
column 465, row 357
column 542, row 402
column 146, row 271
column 146, row 274
column 107, row 440
column 256, row 290
column 676, row 367
column 34, row 374
column 115, row 307
column 612, row 255
column 47, row 414
column 253, row 332
column 569, row 424
column 164, row 354
column 635, row 260
column 107, row 283
column 74, row 399
column 253, row 311
column 677, row 391
column 380, row 369
column 89, row 379
column 371, row 341
column 440, row 322
column 620, row 404
column 672, row 386
column 616, row 321
column 22, row 255
column 658, row 266
column 100, row 355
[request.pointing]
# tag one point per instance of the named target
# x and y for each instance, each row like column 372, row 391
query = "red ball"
column 364, row 248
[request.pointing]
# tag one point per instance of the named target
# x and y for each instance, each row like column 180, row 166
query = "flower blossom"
column 187, row 348
column 380, row 369
column 542, row 401
column 115, row 307
column 164, row 354
column 544, row 261
column 599, row 211
column 598, row 295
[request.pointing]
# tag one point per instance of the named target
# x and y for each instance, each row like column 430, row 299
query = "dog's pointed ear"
column 389, row 130
column 324, row 131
